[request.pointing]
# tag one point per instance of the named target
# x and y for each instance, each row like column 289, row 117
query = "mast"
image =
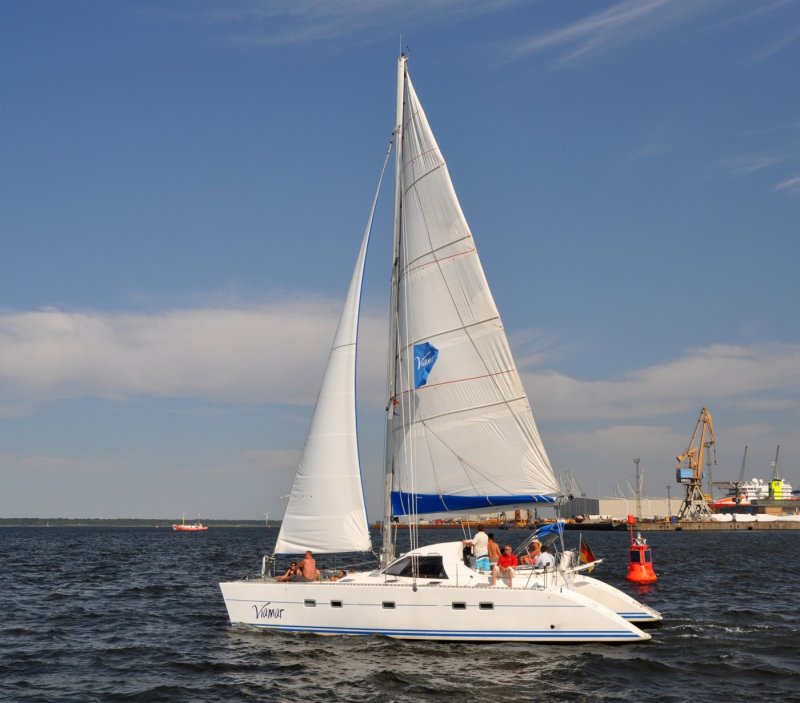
column 387, row 548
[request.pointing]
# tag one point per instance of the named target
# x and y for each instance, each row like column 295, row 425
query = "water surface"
column 116, row 614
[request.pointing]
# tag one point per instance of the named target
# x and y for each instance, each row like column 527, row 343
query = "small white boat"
column 460, row 438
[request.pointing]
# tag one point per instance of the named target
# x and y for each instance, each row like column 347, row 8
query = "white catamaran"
column 460, row 437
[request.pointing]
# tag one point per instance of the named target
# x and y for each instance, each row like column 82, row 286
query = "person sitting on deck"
column 307, row 571
column 505, row 565
column 545, row 559
column 534, row 549
column 287, row 575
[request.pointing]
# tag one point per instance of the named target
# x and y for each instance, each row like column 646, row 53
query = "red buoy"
column 640, row 566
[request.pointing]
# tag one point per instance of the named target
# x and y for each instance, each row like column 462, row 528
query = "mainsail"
column 464, row 439
column 326, row 510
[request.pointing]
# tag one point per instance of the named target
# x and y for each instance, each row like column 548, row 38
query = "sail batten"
column 458, row 411
column 413, row 265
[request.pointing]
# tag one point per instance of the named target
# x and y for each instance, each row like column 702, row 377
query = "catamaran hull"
column 427, row 612
column 615, row 600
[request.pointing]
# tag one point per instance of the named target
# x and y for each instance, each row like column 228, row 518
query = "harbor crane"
column 690, row 466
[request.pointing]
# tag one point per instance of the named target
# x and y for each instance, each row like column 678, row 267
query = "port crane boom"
column 690, row 466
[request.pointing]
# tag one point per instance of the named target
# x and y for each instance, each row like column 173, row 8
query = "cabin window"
column 486, row 606
column 388, row 604
column 459, row 606
column 310, row 603
column 425, row 567
column 336, row 604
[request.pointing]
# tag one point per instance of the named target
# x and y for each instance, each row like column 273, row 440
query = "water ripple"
column 136, row 615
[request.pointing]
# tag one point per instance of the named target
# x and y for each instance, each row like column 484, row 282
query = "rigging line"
column 405, row 372
column 402, row 253
column 407, row 416
column 412, row 194
column 464, row 463
column 389, row 146
column 515, row 417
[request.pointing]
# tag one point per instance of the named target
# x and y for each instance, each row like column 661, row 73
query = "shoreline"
column 144, row 523
column 620, row 526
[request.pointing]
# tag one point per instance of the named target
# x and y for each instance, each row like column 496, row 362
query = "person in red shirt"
column 505, row 565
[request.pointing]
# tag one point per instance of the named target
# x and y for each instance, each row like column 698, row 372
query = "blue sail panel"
column 424, row 503
column 425, row 356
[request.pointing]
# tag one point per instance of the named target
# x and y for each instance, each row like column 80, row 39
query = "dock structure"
column 717, row 526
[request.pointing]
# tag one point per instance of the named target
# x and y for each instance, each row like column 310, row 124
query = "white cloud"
column 277, row 23
column 792, row 185
column 274, row 353
column 750, row 163
column 715, row 372
column 632, row 20
column 625, row 21
column 259, row 463
column 48, row 465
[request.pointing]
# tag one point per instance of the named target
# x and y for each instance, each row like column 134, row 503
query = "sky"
column 184, row 187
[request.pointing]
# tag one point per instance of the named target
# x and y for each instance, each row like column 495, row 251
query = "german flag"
column 587, row 555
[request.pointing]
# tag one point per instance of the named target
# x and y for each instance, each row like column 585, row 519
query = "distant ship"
column 756, row 489
column 191, row 527
column 743, row 493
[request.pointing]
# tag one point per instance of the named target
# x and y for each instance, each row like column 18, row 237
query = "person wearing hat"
column 534, row 549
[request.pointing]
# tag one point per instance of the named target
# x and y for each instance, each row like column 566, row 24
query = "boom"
column 690, row 467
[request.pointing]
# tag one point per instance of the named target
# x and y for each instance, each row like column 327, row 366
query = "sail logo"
column 425, row 356
column 267, row 613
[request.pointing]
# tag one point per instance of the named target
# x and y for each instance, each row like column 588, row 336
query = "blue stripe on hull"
column 636, row 615
column 466, row 635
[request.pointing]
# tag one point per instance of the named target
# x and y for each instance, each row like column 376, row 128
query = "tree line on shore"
column 118, row 522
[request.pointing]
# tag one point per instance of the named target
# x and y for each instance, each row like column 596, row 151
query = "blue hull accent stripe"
column 635, row 615
column 472, row 635
column 424, row 503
